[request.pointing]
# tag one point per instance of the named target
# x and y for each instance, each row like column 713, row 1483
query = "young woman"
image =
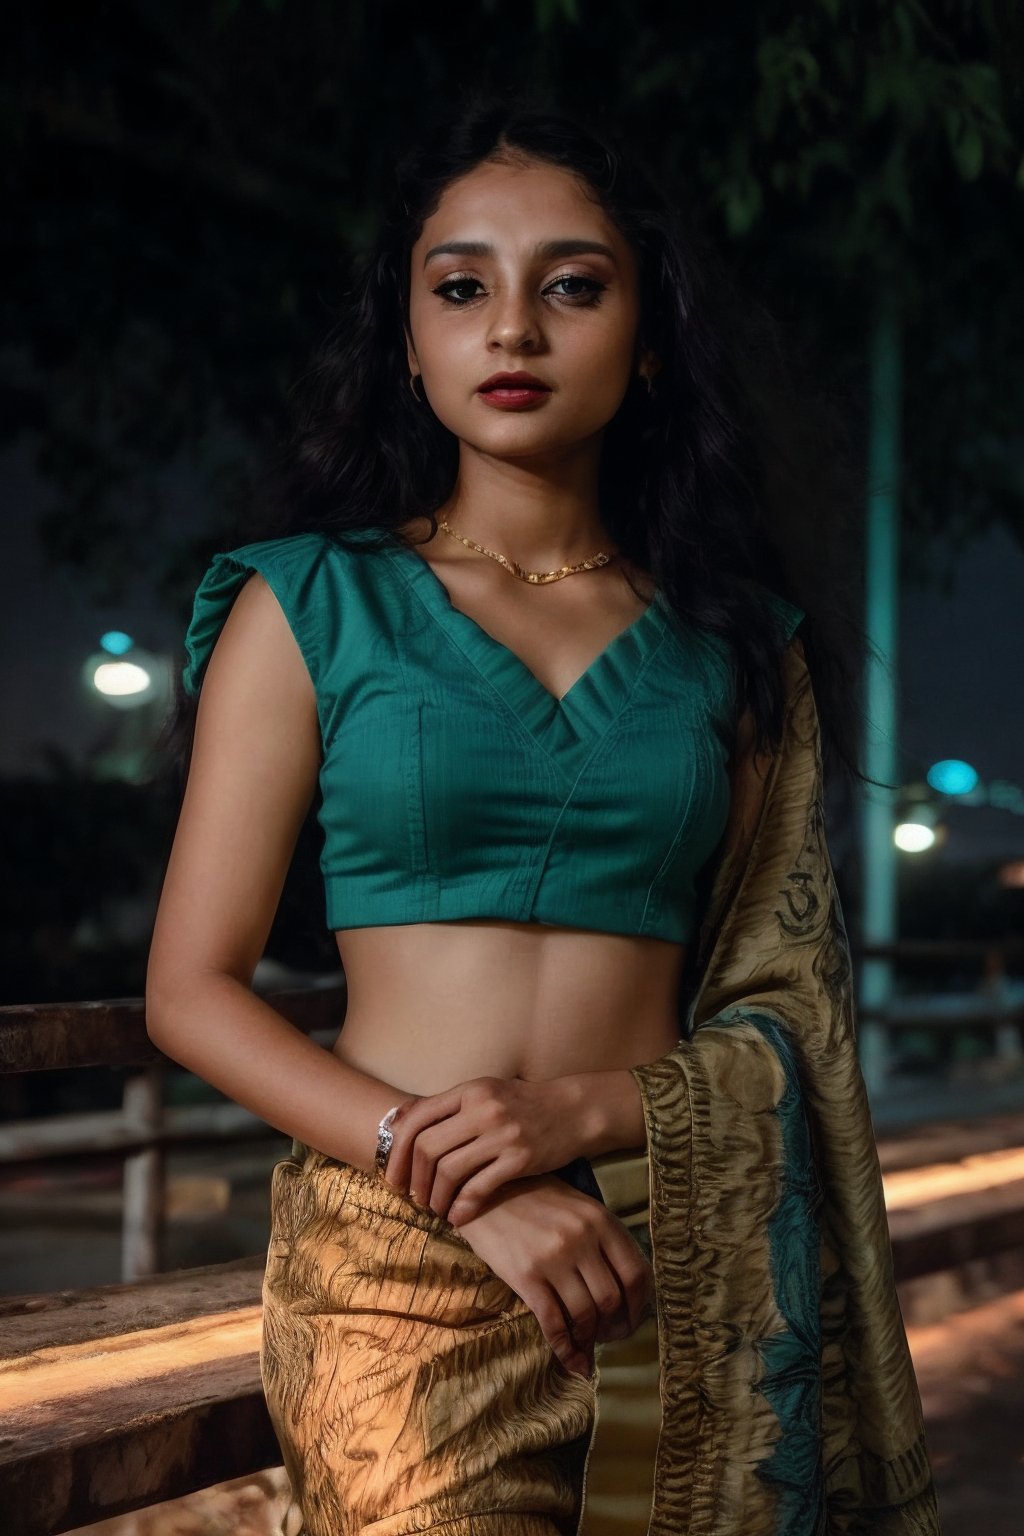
column 546, row 1256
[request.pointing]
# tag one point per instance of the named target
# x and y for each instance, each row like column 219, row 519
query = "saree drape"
column 412, row 1390
column 789, row 1401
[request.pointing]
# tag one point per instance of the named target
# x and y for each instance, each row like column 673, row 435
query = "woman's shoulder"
column 290, row 557
column 283, row 551
column 284, row 564
column 308, row 573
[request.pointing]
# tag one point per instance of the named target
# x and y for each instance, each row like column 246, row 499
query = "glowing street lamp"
column 122, row 673
column 115, row 642
column 952, row 776
column 913, row 836
column 121, row 680
column 916, row 828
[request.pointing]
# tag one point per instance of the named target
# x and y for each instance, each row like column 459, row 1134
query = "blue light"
column 115, row 642
column 952, row 777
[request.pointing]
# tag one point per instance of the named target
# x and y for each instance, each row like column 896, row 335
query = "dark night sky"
column 961, row 661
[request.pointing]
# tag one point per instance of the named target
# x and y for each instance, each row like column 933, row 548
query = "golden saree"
column 412, row 1390
column 790, row 1404
column 772, row 1391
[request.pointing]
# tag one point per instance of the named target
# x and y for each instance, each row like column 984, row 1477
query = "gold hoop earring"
column 412, row 385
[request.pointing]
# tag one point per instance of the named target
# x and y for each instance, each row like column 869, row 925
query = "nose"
column 514, row 322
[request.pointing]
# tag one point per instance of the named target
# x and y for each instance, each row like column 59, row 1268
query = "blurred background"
column 186, row 189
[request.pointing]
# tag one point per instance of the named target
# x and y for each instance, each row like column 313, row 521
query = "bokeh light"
column 913, row 836
column 115, row 642
column 120, row 679
column 952, row 776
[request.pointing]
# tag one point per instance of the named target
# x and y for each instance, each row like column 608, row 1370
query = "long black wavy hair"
column 730, row 479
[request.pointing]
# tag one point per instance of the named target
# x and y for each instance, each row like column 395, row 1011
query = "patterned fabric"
column 412, row 1390
column 791, row 1407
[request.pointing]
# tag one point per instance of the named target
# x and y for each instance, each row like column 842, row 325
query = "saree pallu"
column 790, row 1403
column 411, row 1389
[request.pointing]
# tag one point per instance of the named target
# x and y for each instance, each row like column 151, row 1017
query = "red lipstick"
column 513, row 390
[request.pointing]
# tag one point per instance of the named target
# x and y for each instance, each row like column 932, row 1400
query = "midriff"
column 435, row 1004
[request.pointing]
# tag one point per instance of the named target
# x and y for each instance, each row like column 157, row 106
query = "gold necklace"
column 534, row 577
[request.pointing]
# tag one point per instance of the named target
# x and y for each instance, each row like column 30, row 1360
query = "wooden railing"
column 996, row 1003
column 36, row 1038
column 116, row 1397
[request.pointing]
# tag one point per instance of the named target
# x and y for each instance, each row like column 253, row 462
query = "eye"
column 592, row 290
column 591, row 294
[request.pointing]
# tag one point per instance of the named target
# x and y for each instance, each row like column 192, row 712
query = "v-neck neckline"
column 602, row 685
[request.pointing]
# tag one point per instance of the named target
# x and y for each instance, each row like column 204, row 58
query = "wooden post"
column 1008, row 1042
column 143, row 1183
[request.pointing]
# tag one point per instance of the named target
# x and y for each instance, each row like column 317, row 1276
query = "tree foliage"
column 190, row 184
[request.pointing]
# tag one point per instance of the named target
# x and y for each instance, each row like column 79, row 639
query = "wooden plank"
column 100, row 1132
column 36, row 1037
column 31, row 1320
column 947, row 1141
column 90, row 1470
column 97, row 1133
column 120, row 1396
column 942, row 1234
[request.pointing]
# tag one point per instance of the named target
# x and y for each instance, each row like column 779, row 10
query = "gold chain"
column 534, row 577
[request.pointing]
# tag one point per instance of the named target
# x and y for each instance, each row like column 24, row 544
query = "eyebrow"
column 547, row 248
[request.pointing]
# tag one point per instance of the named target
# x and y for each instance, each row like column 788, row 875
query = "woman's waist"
column 424, row 1050
column 440, row 1003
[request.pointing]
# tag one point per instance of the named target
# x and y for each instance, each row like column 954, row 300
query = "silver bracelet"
column 385, row 1137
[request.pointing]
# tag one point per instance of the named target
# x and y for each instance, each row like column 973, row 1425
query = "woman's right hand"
column 570, row 1259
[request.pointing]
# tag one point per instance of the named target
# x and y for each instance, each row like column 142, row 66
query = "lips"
column 514, row 383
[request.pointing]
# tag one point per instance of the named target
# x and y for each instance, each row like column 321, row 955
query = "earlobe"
column 650, row 364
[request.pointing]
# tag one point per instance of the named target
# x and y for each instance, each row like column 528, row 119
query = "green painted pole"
column 879, row 917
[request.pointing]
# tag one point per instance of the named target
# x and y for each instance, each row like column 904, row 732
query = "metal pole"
column 879, row 920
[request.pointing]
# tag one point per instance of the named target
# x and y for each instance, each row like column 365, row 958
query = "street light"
column 115, row 642
column 136, row 685
column 917, row 824
column 123, row 681
column 952, row 776
column 920, row 818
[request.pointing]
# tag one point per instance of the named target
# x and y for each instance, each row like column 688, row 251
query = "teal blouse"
column 455, row 785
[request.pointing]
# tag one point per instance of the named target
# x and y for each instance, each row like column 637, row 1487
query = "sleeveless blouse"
column 453, row 784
